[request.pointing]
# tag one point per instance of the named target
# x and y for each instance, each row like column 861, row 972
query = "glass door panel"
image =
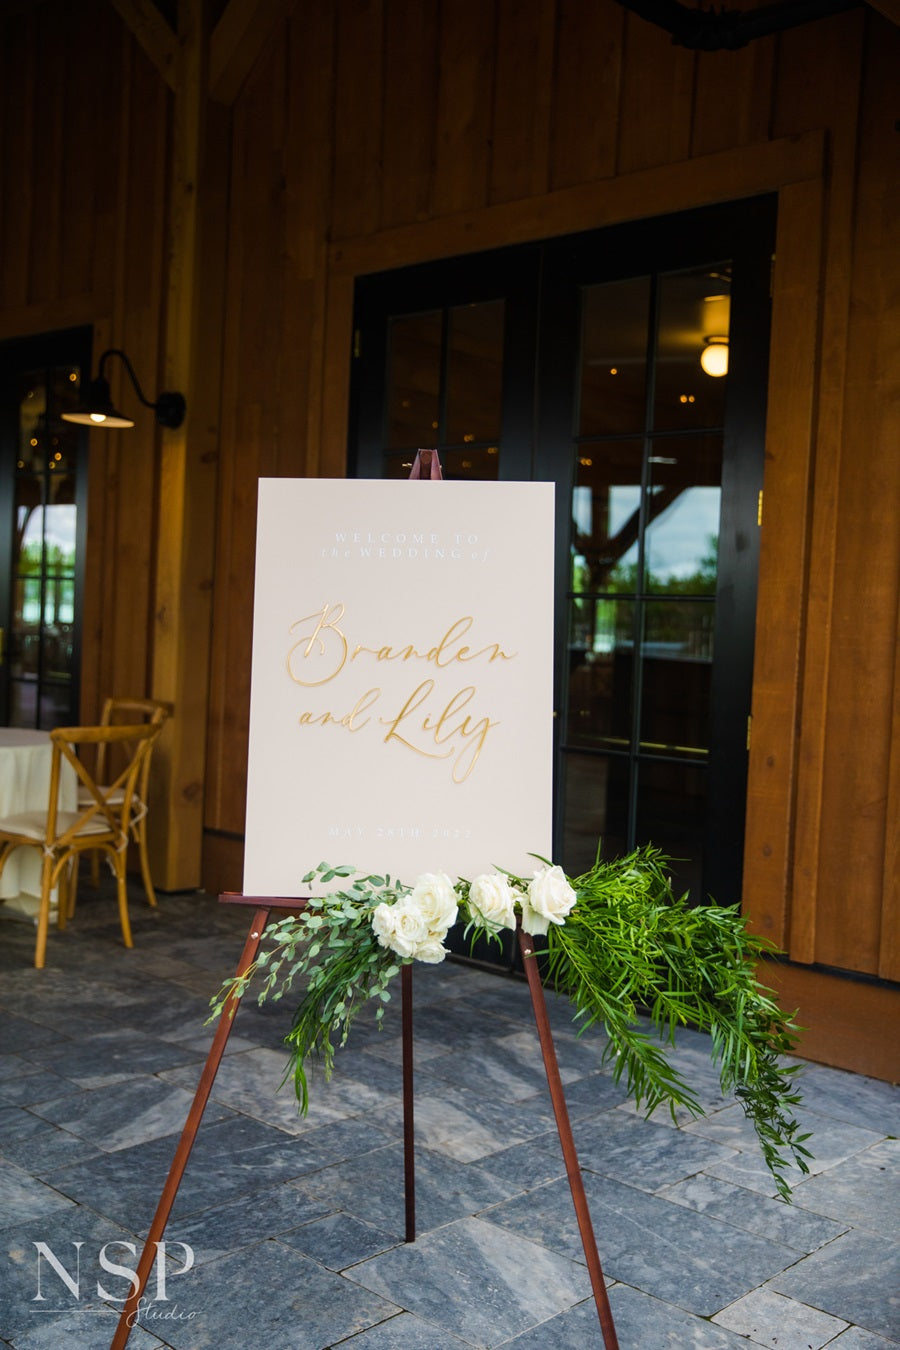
column 578, row 361
column 613, row 384
column 601, row 673
column 659, row 444
column 676, row 670
column 595, row 805
column 414, row 380
column 474, row 374
column 693, row 306
column 41, row 532
column 445, row 389
column 684, row 490
column 606, row 505
column 671, row 810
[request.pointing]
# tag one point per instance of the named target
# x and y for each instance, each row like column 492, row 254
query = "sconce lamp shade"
column 714, row 357
column 96, row 407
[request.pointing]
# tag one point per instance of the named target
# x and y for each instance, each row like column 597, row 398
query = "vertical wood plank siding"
column 83, row 171
column 375, row 132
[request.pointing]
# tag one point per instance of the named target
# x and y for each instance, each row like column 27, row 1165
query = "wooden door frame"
column 794, row 168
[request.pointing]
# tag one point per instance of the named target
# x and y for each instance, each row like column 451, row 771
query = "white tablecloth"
column 25, row 759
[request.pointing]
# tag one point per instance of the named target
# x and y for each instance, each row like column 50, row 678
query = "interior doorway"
column 629, row 366
column 43, row 485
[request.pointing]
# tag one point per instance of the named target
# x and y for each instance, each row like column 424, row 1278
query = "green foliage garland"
column 622, row 947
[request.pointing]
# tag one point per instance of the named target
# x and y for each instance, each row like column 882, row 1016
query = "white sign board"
column 402, row 687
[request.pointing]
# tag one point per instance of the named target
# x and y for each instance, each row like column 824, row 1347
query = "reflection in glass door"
column 445, row 382
column 42, row 517
column 644, row 560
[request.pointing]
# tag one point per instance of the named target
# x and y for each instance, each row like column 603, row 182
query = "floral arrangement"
column 618, row 942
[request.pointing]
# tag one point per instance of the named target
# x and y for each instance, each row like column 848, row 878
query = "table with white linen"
column 25, row 761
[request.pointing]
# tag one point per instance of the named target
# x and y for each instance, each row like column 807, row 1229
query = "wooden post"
column 188, row 473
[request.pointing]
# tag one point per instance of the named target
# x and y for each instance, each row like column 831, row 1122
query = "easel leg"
column 188, row 1135
column 409, row 1154
column 563, row 1125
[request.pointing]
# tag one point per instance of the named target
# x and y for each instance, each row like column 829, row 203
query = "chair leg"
column 145, row 861
column 123, row 900
column 40, row 946
column 63, row 899
column 72, row 886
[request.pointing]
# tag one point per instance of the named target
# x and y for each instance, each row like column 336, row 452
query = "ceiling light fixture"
column 714, row 357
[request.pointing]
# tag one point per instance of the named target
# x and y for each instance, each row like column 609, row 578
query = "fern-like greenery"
column 631, row 947
column 628, row 951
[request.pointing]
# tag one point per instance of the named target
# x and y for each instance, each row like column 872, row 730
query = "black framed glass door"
column 43, row 483
column 579, row 361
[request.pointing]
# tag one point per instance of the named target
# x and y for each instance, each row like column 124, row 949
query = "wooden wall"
column 83, row 181
column 373, row 133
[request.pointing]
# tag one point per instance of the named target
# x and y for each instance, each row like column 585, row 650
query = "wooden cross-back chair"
column 121, row 711
column 102, row 821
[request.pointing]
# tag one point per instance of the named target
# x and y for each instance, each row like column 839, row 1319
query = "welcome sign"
column 402, row 685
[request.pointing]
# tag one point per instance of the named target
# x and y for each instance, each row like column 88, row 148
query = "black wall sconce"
column 96, row 408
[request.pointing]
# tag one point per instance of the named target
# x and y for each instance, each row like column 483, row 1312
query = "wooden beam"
column 889, row 8
column 152, row 32
column 188, row 462
column 727, row 174
column 237, row 40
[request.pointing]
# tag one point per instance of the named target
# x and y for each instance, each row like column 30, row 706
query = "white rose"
column 431, row 950
column 400, row 926
column 435, row 899
column 549, row 900
column 492, row 902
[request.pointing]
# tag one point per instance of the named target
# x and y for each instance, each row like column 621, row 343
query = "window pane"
column 32, row 420
column 414, row 380
column 614, row 357
column 23, row 700
column 25, row 637
column 683, row 515
column 693, row 306
column 600, row 673
column 596, row 809
column 605, row 512
column 671, row 806
column 474, row 373
column 55, row 706
column 676, row 671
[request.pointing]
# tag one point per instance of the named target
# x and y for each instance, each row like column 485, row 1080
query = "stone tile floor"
column 287, row 1232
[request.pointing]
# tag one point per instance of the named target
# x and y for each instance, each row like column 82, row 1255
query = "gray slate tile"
column 767, row 1217
column 372, row 1188
column 863, row 1191
column 131, row 1113
column 479, row 1287
column 641, row 1322
column 405, row 1332
column 88, row 1329
column 698, row 1263
column 29, row 1280
column 269, row 1297
column 856, row 1277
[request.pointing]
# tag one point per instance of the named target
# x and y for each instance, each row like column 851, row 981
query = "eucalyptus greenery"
column 629, row 951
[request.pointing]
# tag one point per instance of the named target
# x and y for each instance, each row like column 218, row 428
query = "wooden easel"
column 263, row 907
column 426, row 465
